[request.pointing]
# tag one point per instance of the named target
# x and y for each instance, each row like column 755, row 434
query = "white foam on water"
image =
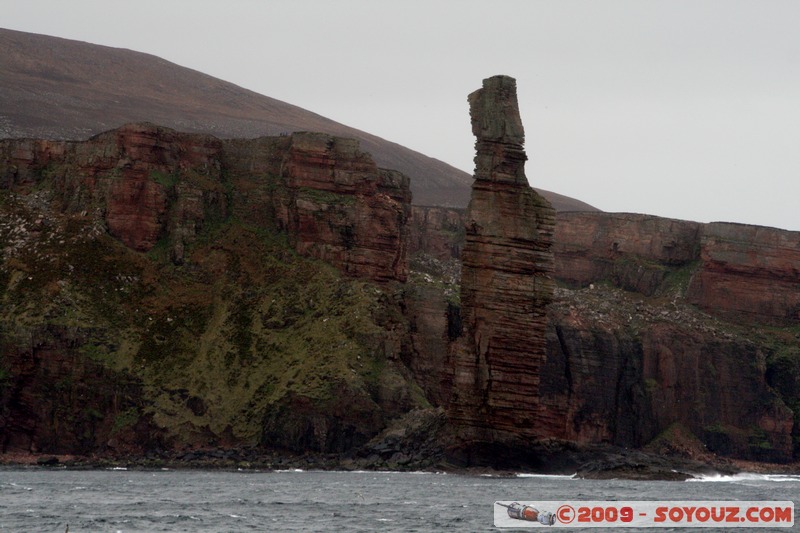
column 413, row 472
column 547, row 476
column 745, row 476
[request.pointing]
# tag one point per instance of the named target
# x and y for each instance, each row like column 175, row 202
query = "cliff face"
column 748, row 273
column 634, row 251
column 140, row 179
column 738, row 272
column 437, row 231
column 146, row 183
column 624, row 371
column 660, row 327
column 331, row 199
column 184, row 273
column 505, row 281
column 652, row 336
column 56, row 400
column 733, row 271
column 166, row 291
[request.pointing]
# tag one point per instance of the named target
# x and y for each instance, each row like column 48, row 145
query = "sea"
column 35, row 499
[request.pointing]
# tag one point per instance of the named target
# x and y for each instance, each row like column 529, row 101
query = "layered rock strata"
column 140, row 180
column 163, row 266
column 151, row 185
column 437, row 232
column 735, row 271
column 658, row 316
column 748, row 273
column 624, row 370
column 505, row 282
column 332, row 200
column 60, row 401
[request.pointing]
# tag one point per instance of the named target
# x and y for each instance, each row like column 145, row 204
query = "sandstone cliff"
column 141, row 180
column 647, row 323
column 146, row 183
column 625, row 371
column 649, row 338
column 164, row 291
column 748, row 273
column 329, row 197
column 192, row 277
column 739, row 272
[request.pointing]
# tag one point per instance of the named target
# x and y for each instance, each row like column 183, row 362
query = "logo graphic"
column 531, row 514
column 616, row 514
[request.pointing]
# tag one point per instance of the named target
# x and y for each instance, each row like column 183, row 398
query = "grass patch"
column 676, row 281
column 164, row 179
column 125, row 419
column 326, row 198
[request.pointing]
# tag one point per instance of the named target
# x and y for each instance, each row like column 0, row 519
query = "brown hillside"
column 63, row 89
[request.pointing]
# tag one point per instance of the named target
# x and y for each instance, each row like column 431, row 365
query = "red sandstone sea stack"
column 506, row 285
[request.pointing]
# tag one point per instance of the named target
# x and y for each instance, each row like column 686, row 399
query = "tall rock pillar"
column 506, row 285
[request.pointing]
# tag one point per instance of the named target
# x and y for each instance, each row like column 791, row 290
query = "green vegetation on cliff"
column 223, row 345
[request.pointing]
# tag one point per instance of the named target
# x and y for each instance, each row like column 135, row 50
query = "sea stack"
column 506, row 285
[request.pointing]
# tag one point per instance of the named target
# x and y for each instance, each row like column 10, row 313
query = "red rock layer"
column 505, row 283
column 331, row 198
column 615, row 377
column 359, row 228
column 748, row 273
column 126, row 176
column 149, row 183
column 631, row 250
column 63, row 402
column 740, row 272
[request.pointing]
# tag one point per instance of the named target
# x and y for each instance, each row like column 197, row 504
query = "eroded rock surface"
column 150, row 184
column 162, row 289
column 748, row 273
column 505, row 281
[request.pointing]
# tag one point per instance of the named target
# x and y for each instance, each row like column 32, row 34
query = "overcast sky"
column 685, row 109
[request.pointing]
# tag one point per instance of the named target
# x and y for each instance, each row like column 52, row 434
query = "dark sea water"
column 47, row 500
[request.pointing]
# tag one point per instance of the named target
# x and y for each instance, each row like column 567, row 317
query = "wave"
column 381, row 472
column 746, row 476
column 547, row 476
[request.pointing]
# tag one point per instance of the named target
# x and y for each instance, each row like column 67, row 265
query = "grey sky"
column 686, row 109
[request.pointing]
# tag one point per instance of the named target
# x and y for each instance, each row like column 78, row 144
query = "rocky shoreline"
column 422, row 441
column 599, row 462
